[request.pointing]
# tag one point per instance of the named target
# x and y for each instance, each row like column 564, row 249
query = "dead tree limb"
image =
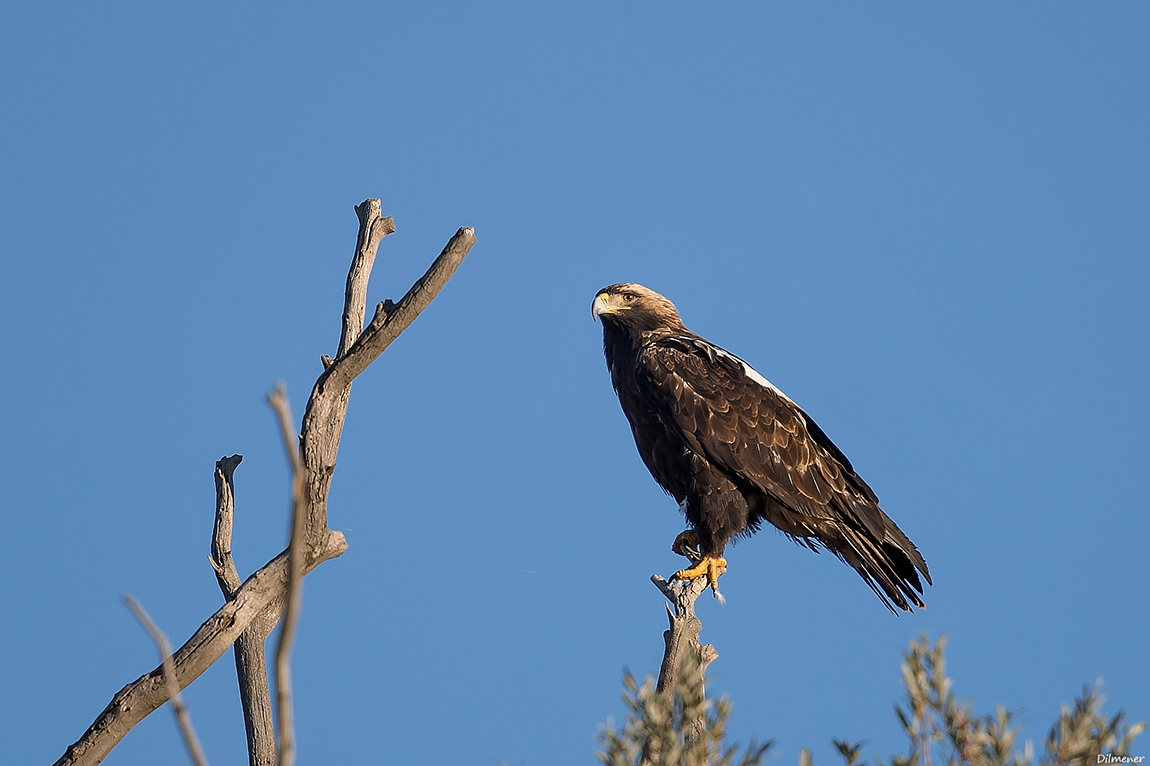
column 251, row 663
column 683, row 633
column 327, row 407
column 319, row 440
column 138, row 699
column 680, row 638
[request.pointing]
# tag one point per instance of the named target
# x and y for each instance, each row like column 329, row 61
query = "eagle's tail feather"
column 889, row 569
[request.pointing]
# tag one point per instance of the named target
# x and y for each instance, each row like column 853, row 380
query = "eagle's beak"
column 599, row 306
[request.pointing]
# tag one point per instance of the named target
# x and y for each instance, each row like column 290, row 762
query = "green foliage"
column 685, row 729
column 679, row 728
column 942, row 729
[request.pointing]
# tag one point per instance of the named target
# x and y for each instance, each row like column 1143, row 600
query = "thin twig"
column 211, row 640
column 183, row 718
column 286, row 745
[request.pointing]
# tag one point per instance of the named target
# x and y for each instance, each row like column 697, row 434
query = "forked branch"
column 263, row 596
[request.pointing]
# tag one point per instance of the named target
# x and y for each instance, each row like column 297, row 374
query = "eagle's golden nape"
column 735, row 451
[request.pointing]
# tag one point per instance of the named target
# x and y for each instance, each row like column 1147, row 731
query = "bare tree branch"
column 251, row 664
column 263, row 595
column 392, row 319
column 179, row 709
column 681, row 637
column 286, row 718
column 221, row 558
column 684, row 630
column 372, row 229
column 138, row 699
column 327, row 407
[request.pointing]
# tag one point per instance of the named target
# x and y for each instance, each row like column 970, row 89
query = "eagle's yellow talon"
column 709, row 566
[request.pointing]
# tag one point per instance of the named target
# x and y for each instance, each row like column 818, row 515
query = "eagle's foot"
column 709, row 566
column 687, row 546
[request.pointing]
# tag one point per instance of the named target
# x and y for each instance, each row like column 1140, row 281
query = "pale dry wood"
column 327, row 407
column 179, row 709
column 683, row 633
column 392, row 319
column 372, row 229
column 251, row 662
column 138, row 699
column 322, row 427
column 285, row 751
column 682, row 636
column 221, row 559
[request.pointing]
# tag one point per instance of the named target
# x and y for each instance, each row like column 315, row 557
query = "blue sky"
column 927, row 224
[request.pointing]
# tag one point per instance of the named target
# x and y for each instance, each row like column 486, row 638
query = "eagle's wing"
column 728, row 413
column 733, row 416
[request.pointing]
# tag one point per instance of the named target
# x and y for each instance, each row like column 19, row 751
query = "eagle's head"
column 635, row 308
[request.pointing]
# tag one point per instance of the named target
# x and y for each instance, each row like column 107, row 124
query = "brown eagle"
column 734, row 451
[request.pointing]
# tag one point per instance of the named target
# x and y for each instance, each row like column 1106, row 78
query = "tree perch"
column 681, row 636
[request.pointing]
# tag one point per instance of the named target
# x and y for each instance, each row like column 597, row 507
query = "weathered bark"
column 251, row 662
column 683, row 633
column 264, row 594
column 681, row 637
column 138, row 699
column 327, row 407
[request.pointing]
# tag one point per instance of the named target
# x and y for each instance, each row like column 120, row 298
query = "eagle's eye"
column 629, row 296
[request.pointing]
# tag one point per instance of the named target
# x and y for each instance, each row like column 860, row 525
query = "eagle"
column 735, row 451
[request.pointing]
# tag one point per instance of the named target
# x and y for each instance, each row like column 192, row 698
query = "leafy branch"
column 675, row 724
